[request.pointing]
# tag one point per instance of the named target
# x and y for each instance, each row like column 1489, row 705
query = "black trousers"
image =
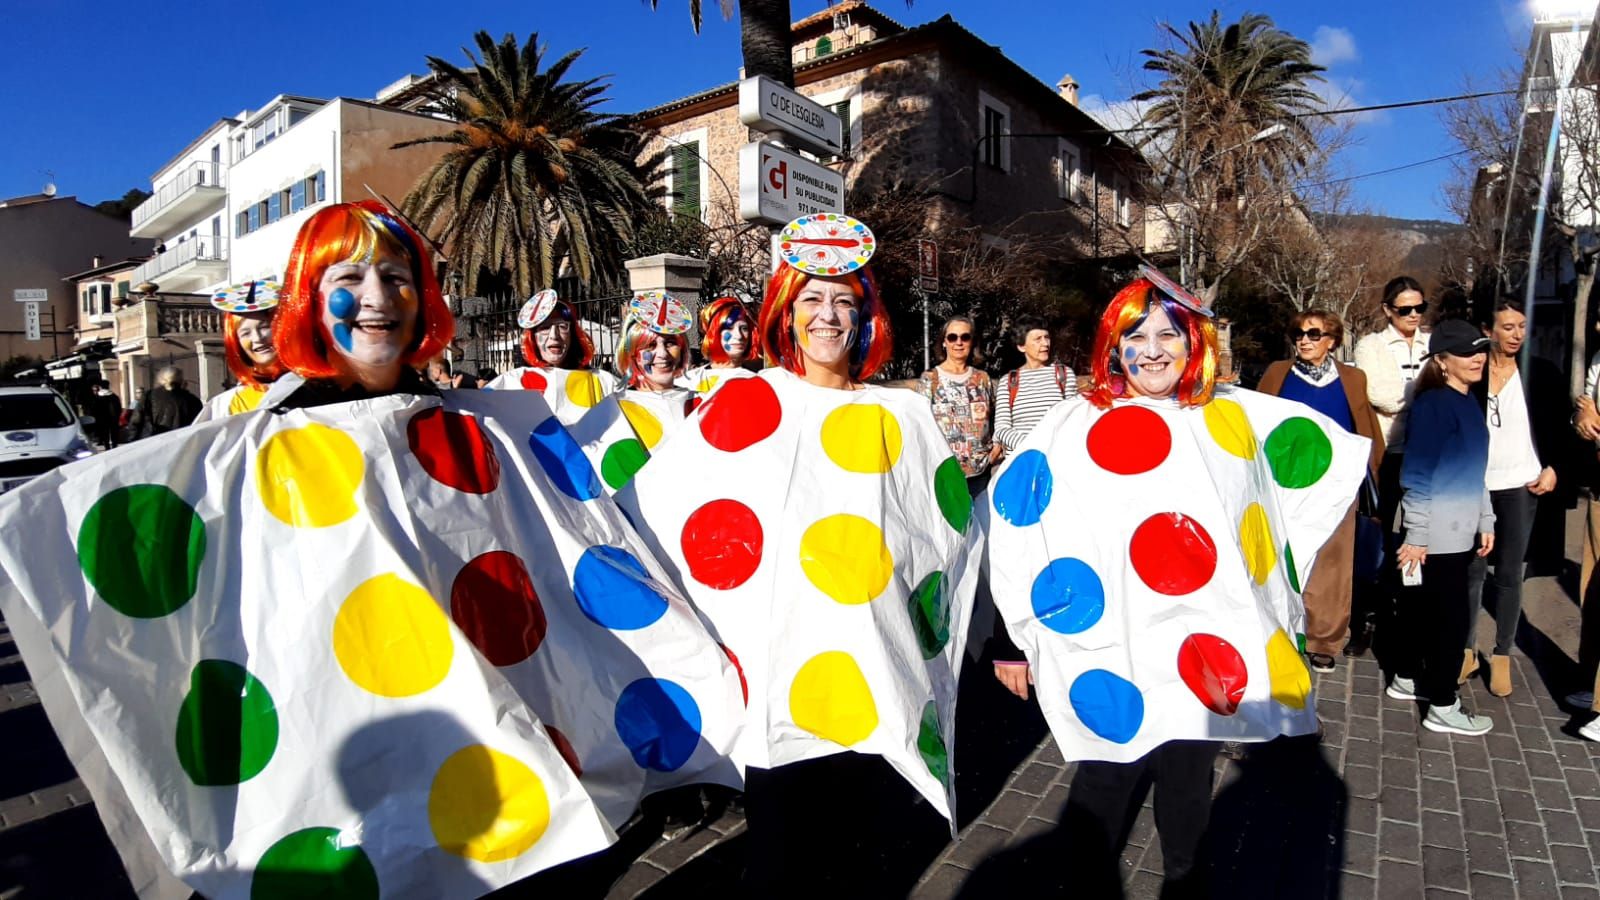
column 1514, row 511
column 1434, row 618
column 1102, row 803
column 1372, row 604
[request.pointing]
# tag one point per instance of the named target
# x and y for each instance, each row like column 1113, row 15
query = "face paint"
column 1161, row 350
column 1128, row 356
column 370, row 315
column 342, row 305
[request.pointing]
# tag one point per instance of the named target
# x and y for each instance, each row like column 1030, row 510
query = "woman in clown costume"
column 248, row 310
column 818, row 522
column 1146, row 545
column 559, row 353
column 727, row 331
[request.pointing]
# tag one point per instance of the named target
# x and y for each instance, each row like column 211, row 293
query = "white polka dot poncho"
column 572, row 393
column 1148, row 560
column 822, row 533
column 398, row 643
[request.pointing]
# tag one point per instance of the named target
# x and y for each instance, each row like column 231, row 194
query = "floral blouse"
column 962, row 406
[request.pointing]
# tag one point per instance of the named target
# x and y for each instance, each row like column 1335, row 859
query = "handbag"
column 1368, row 562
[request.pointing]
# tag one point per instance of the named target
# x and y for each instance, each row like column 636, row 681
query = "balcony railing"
column 195, row 175
column 144, row 320
column 173, row 317
column 203, row 248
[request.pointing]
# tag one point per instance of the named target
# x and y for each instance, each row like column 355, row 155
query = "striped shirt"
column 1037, row 391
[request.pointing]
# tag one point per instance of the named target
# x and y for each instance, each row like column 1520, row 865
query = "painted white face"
column 735, row 339
column 827, row 312
column 255, row 338
column 1153, row 354
column 658, row 362
column 553, row 337
column 369, row 315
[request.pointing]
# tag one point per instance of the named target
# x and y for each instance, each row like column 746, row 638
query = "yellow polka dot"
column 862, row 437
column 391, row 638
column 830, row 699
column 1291, row 680
column 1230, row 428
column 644, row 422
column 846, row 558
column 1255, row 539
column 245, row 399
column 584, row 388
column 487, row 806
column 706, row 384
column 308, row 476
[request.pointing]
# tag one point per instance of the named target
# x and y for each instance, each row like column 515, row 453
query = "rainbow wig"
column 716, row 315
column 580, row 349
column 1127, row 311
column 353, row 232
column 248, row 373
column 774, row 334
column 634, row 334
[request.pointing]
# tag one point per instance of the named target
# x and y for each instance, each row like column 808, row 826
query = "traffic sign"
column 769, row 106
column 928, row 266
column 778, row 186
column 30, row 318
column 30, row 295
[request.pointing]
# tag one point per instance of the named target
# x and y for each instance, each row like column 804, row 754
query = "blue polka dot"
column 614, row 589
column 563, row 460
column 1109, row 705
column 659, row 723
column 1068, row 596
column 1023, row 491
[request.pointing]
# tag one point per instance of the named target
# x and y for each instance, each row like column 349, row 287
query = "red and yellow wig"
column 716, row 315
column 1127, row 311
column 580, row 349
column 634, row 335
column 774, row 335
column 353, row 232
column 248, row 373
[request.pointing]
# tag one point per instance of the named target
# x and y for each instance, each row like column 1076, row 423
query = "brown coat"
column 1354, row 382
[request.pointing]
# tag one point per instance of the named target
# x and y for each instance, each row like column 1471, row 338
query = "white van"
column 38, row 432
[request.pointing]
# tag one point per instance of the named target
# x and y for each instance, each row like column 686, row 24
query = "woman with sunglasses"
column 963, row 398
column 1339, row 392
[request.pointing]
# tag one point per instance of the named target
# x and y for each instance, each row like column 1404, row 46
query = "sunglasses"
column 1421, row 309
column 1316, row 334
column 958, row 337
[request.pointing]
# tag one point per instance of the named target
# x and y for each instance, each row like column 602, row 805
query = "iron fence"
column 487, row 335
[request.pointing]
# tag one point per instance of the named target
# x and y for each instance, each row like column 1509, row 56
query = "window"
column 105, row 299
column 316, row 188
column 686, row 179
column 283, row 200
column 1121, row 202
column 1069, row 177
column 274, row 208
column 122, row 290
column 824, row 45
column 241, row 224
column 253, row 220
column 842, row 110
column 86, row 300
column 240, row 147
column 994, row 121
column 297, row 196
column 295, row 115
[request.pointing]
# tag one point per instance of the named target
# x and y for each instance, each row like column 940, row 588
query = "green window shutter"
column 842, row 110
column 824, row 45
column 686, row 179
column 122, row 290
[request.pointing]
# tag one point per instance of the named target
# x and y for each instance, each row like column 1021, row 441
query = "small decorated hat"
column 537, row 309
column 1169, row 287
column 826, row 244
column 247, row 297
column 660, row 312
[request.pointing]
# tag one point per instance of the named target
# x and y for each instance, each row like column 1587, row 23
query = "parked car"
column 38, row 432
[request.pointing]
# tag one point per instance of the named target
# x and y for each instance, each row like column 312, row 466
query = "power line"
column 1413, row 165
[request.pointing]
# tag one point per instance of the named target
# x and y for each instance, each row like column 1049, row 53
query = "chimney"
column 97, row 260
column 1067, row 87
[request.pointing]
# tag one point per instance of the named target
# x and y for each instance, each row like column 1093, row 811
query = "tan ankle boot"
column 1469, row 666
column 1500, row 675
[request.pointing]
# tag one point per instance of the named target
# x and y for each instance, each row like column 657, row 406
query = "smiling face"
column 735, row 338
column 369, row 316
column 657, row 362
column 1309, row 349
column 827, row 313
column 1509, row 331
column 255, row 339
column 553, row 337
column 1153, row 354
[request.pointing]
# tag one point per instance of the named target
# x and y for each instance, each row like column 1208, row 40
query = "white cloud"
column 1331, row 46
column 1113, row 114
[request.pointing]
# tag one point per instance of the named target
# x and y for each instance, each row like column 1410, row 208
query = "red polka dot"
column 693, row 404
column 1173, row 554
column 533, row 381
column 1129, row 440
column 743, row 412
column 454, row 450
column 1214, row 671
column 744, row 687
column 722, row 544
column 494, row 603
column 564, row 747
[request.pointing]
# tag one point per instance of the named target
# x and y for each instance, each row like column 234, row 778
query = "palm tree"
column 763, row 35
column 535, row 175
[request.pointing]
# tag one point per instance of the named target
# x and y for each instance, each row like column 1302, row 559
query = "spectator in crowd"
column 1339, row 392
column 106, row 408
column 1029, row 392
column 439, row 373
column 1586, row 421
column 132, row 421
column 1447, row 520
column 962, row 396
column 169, row 404
column 1391, row 359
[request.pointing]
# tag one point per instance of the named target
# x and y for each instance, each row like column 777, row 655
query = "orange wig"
column 580, row 350
column 353, row 232
column 716, row 315
column 636, row 334
column 247, row 372
column 775, row 332
column 1127, row 311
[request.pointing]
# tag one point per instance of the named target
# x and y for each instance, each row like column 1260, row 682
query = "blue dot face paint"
column 342, row 305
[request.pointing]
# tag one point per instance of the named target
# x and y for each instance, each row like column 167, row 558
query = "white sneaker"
column 1581, row 699
column 1402, row 688
column 1453, row 719
column 1591, row 731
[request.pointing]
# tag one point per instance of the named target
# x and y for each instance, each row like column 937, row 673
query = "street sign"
column 928, row 266
column 778, row 186
column 30, row 318
column 769, row 106
column 30, row 295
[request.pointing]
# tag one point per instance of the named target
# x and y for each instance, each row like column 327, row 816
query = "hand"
column 1544, row 484
column 997, row 452
column 1587, row 419
column 1015, row 676
column 1410, row 556
column 1486, row 543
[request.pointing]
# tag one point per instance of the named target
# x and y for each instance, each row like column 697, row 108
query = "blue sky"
column 102, row 93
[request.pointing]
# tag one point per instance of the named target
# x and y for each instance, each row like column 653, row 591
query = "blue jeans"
column 1514, row 509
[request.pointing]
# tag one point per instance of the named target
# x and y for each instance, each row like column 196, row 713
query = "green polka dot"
column 1300, row 642
column 950, row 489
column 1299, row 452
column 140, row 547
column 930, row 615
column 227, row 726
column 622, row 461
column 1289, row 568
column 930, row 743
column 314, row 864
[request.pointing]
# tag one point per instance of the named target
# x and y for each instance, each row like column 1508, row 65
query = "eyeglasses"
column 1316, row 334
column 1494, row 411
column 958, row 337
column 1421, row 309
